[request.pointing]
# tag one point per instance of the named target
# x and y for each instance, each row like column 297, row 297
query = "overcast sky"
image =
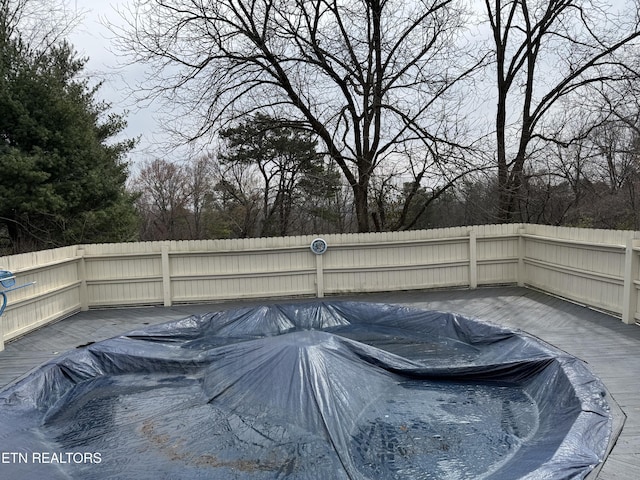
column 92, row 39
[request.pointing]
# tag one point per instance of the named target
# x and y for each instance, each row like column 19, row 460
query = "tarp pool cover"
column 320, row 390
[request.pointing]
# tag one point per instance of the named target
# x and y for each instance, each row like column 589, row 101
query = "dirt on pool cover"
column 308, row 391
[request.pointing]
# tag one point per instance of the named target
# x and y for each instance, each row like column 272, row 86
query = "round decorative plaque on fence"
column 318, row 246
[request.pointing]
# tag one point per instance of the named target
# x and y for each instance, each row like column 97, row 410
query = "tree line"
column 327, row 116
column 261, row 183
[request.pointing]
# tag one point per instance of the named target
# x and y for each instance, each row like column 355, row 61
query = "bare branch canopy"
column 364, row 76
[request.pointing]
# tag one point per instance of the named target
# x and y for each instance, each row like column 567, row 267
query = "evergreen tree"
column 295, row 180
column 61, row 181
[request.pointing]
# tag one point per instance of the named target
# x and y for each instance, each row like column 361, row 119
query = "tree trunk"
column 360, row 194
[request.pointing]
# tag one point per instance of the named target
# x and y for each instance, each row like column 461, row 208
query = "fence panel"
column 54, row 295
column 204, row 276
column 396, row 265
column 581, row 270
column 599, row 268
column 123, row 279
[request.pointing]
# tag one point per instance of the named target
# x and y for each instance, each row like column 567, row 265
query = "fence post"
column 520, row 274
column 319, row 277
column 166, row 275
column 82, row 276
column 630, row 297
column 473, row 259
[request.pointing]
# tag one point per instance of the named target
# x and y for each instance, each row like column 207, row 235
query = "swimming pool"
column 313, row 390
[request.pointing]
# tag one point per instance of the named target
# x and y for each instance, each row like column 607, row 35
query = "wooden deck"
column 611, row 348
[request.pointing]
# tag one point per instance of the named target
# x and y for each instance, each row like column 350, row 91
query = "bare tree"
column 401, row 196
column 40, row 23
column 365, row 76
column 201, row 181
column 238, row 198
column 546, row 51
column 164, row 199
column 176, row 200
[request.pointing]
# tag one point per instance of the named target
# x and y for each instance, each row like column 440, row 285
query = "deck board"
column 611, row 348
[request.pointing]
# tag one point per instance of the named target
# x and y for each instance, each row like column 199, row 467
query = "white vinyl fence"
column 598, row 268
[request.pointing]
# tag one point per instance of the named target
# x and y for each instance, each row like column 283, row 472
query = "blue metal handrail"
column 8, row 284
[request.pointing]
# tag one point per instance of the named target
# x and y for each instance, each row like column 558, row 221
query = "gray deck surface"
column 611, row 348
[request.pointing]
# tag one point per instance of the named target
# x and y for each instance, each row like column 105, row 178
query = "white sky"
column 92, row 39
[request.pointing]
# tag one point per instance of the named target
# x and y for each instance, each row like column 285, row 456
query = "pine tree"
column 61, row 179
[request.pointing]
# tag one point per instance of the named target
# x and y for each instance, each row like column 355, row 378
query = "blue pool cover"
column 319, row 390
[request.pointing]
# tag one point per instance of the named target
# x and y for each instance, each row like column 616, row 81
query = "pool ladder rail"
column 8, row 284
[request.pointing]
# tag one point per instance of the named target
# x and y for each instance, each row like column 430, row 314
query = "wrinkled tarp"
column 308, row 391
